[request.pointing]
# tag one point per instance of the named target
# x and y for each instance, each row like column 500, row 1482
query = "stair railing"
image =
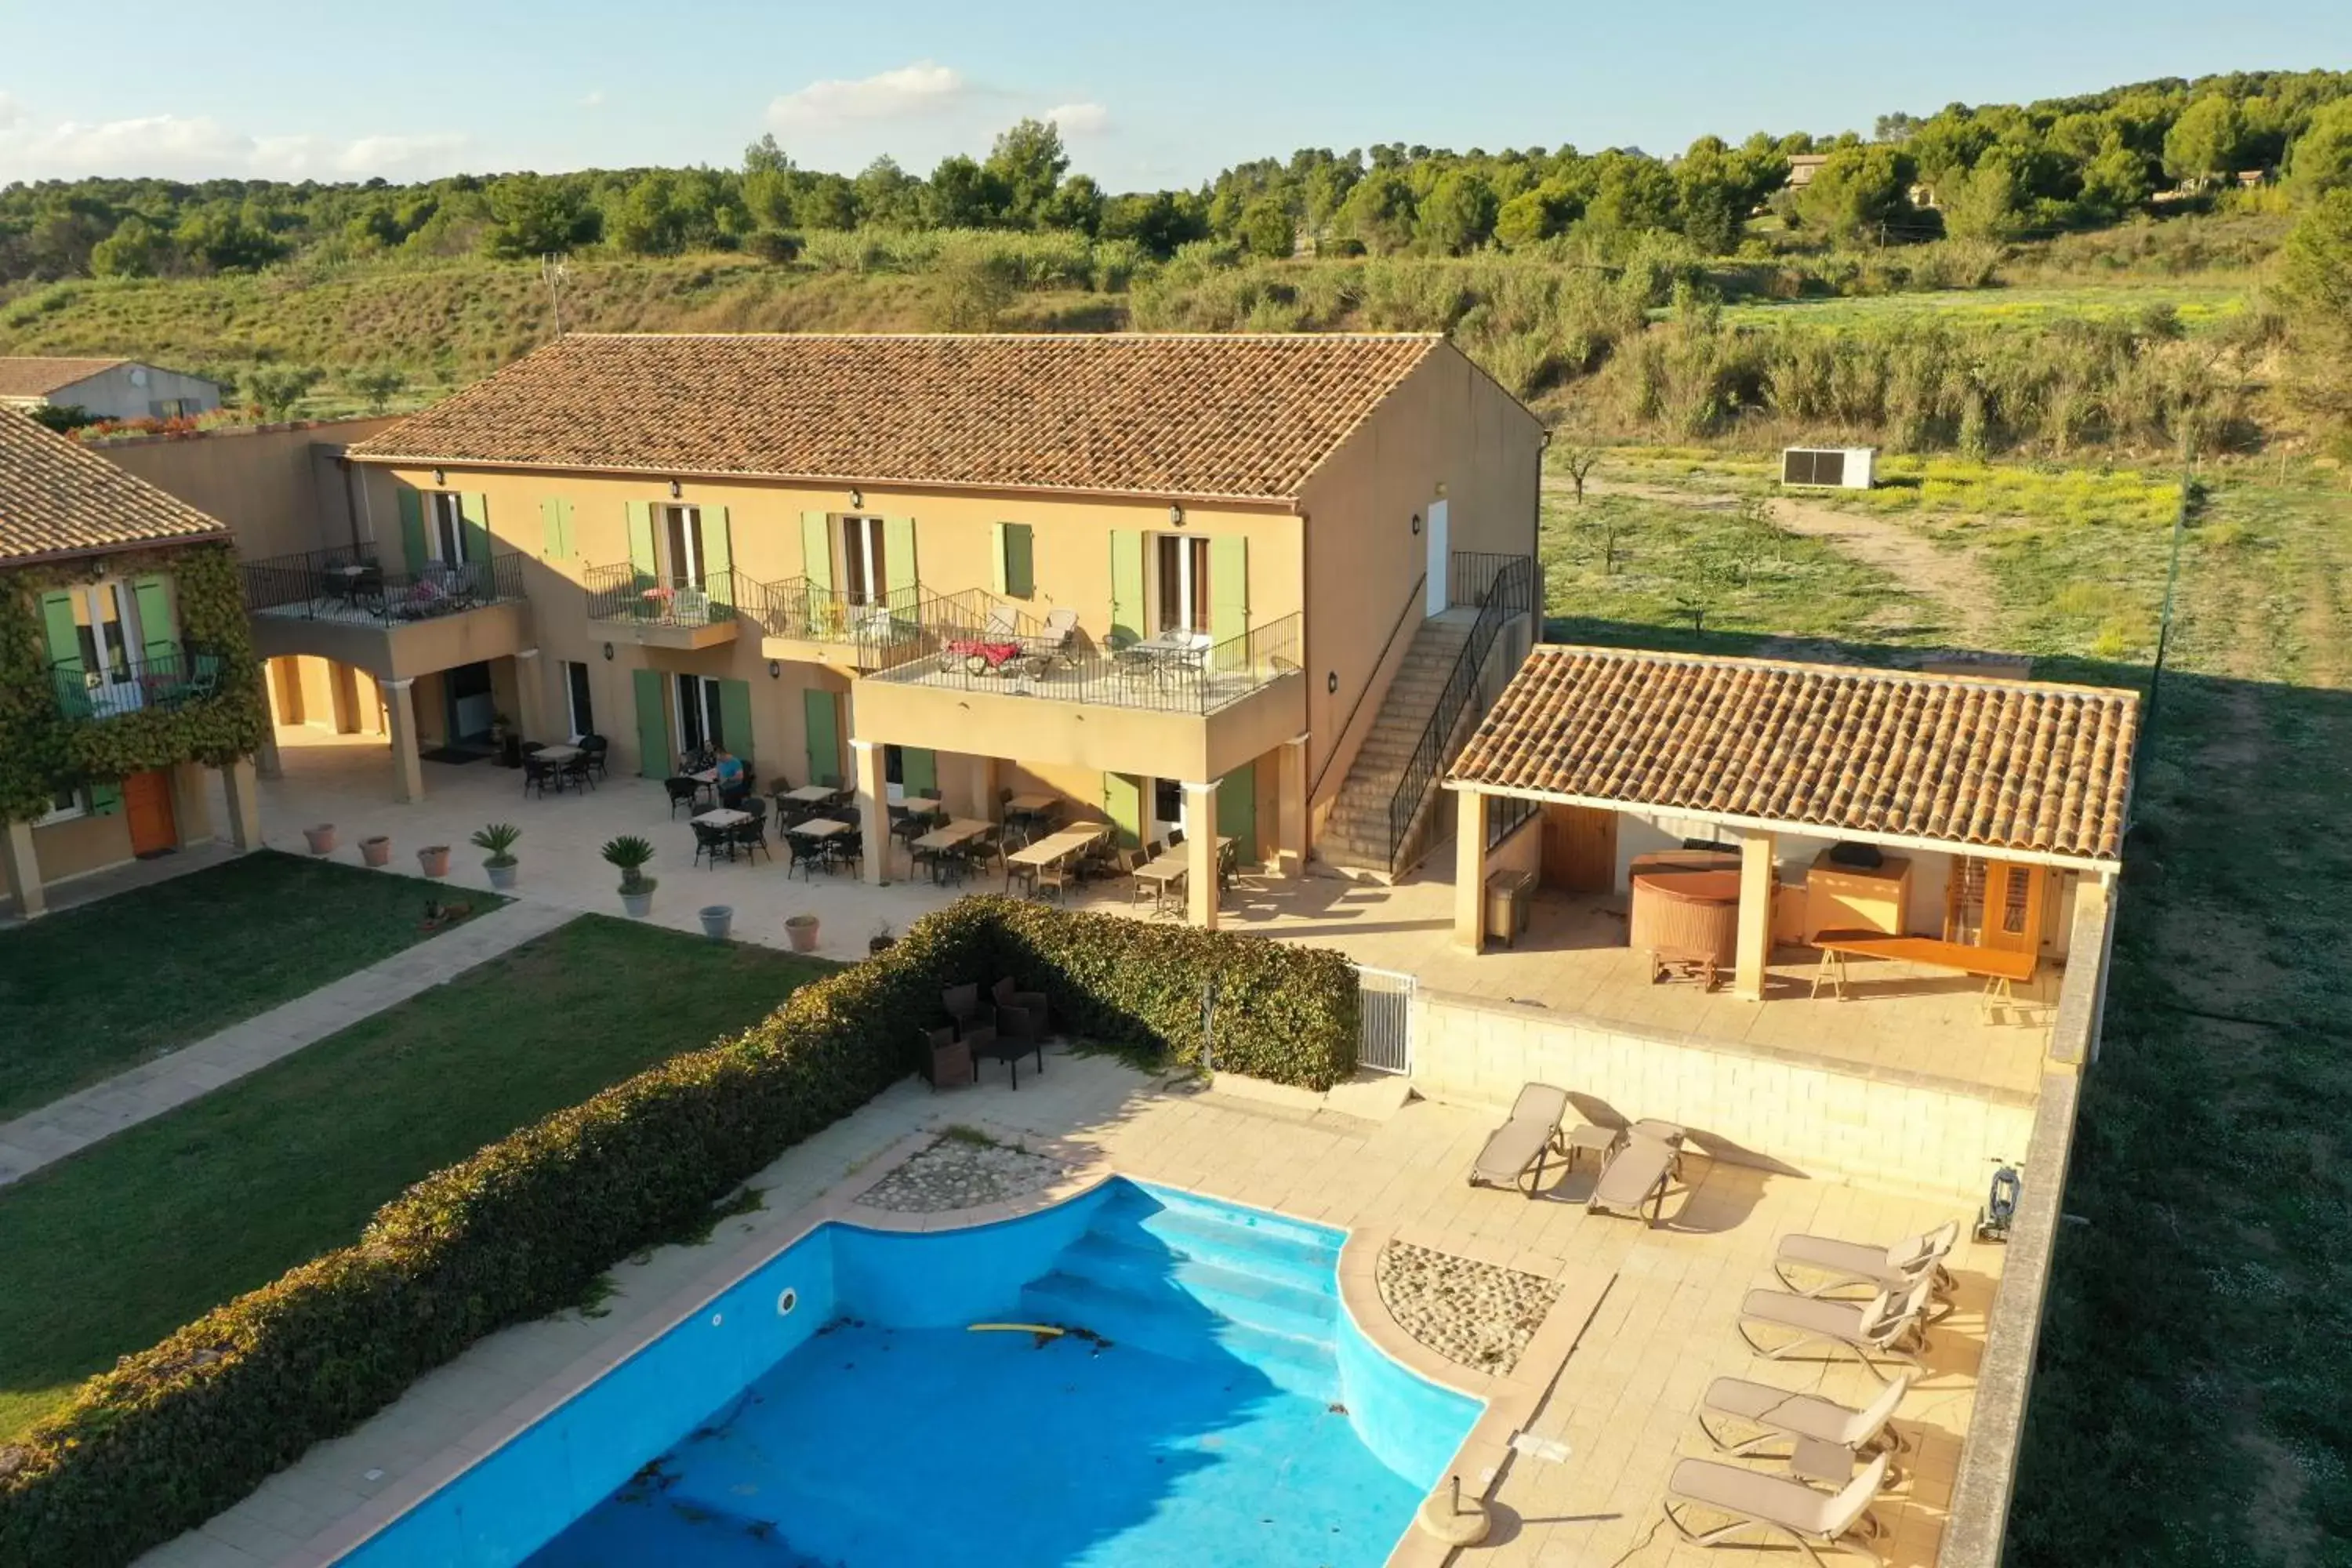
column 1510, row 594
column 1339, row 739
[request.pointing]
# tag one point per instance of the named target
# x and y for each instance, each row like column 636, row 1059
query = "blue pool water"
column 834, row 1410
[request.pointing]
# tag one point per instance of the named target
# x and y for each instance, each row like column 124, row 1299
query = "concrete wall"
column 136, row 391
column 1741, row 1103
column 280, row 488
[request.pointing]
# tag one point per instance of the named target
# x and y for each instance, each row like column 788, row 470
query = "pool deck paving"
column 1644, row 1319
column 74, row 1122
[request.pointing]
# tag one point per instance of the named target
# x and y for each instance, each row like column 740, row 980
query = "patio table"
column 1054, row 847
column 1030, row 804
column 556, row 753
column 817, row 828
column 809, row 794
column 959, row 830
column 722, row 816
column 1180, row 653
column 1169, row 867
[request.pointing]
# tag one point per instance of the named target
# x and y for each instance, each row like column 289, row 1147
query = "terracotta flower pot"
column 322, row 838
column 434, row 859
column 376, row 851
column 801, row 931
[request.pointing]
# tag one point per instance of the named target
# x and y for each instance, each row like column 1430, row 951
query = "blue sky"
column 1147, row 96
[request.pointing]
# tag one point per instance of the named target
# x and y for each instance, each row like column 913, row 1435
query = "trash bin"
column 1508, row 893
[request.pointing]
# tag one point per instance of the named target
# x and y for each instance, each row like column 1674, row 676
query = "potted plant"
column 881, row 940
column 630, row 852
column 499, row 839
column 716, row 920
column 434, row 859
column 377, row 850
column 321, row 838
column 801, row 930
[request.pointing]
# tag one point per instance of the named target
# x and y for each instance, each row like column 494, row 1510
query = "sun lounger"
column 1516, row 1151
column 1781, row 1414
column 1639, row 1173
column 1889, row 1326
column 1847, row 1263
column 1778, row 1505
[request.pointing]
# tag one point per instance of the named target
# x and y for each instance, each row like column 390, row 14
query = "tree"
column 534, row 216
column 2115, row 182
column 825, row 201
column 888, row 193
column 2321, row 160
column 976, row 287
column 135, row 249
column 219, row 240
column 1076, row 207
column 377, row 385
column 964, row 194
column 1458, row 213
column 1379, row 211
column 1578, row 459
column 1027, row 165
column 277, row 389
column 769, row 183
column 2316, row 287
column 1265, row 228
column 2204, row 142
column 1159, row 221
column 1986, row 202
column 1860, row 192
column 1536, row 215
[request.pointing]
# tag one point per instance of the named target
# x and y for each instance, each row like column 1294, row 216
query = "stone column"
column 192, row 814
column 983, row 777
column 25, row 871
column 244, row 805
column 1755, row 950
column 867, row 775
column 1201, row 854
column 530, row 696
column 1470, row 869
column 407, row 769
column 265, row 757
column 1290, row 809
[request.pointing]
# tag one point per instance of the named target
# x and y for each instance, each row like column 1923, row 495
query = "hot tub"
column 1688, row 917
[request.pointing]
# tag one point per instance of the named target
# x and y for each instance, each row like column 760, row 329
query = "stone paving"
column 1476, row 1314
column 63, row 1126
column 962, row 1172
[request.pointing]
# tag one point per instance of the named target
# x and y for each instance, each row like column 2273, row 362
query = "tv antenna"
column 555, row 271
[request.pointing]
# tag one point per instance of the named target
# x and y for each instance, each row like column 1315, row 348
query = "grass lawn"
column 89, row 991
column 106, row 1252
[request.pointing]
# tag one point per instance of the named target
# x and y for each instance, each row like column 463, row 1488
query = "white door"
column 1440, row 558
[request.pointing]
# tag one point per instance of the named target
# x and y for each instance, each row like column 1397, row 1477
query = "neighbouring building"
column 105, row 388
column 1254, row 583
column 125, row 668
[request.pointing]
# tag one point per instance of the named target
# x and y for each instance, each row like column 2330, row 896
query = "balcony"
column 1174, row 706
column 160, row 681
column 342, row 605
column 666, row 611
column 811, row 624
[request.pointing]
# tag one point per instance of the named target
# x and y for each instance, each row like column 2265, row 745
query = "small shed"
column 105, row 388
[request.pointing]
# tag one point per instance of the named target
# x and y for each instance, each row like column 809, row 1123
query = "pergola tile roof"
column 1227, row 415
column 1996, row 764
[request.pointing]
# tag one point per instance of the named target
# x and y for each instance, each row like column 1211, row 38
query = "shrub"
column 172, row 1435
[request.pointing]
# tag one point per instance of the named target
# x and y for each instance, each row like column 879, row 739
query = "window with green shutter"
column 718, row 554
column 1228, row 586
column 1016, row 569
column 555, row 528
column 822, row 714
column 1128, row 611
column 641, row 544
column 412, row 528
column 58, row 628
column 159, row 628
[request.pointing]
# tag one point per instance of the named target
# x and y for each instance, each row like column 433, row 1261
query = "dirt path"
column 1950, row 579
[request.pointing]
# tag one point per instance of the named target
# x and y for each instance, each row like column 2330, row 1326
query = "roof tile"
column 28, row 376
column 58, row 498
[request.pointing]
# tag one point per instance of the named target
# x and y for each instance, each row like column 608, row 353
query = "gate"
column 1384, row 1036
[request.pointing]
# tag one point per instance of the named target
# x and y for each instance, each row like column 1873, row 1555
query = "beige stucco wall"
column 278, row 489
column 1741, row 1104
column 79, row 846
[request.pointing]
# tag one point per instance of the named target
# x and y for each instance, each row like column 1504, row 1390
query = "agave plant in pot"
column 630, row 852
column 499, row 839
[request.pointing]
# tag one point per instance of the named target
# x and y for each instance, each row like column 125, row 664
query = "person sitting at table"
column 729, row 771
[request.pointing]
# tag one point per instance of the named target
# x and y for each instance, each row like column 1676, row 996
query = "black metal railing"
column 1504, row 814
column 975, row 642
column 352, row 586
column 626, row 593
column 883, row 630
column 1510, row 593
column 157, row 679
column 1470, row 575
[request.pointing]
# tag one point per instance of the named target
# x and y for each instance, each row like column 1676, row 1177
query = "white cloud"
column 592, row 98
column 1079, row 119
column 199, row 147
column 11, row 111
column 920, row 88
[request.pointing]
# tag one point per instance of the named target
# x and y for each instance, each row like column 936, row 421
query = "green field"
column 2199, row 305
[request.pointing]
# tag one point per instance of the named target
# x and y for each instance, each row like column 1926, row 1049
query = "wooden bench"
column 1999, row 970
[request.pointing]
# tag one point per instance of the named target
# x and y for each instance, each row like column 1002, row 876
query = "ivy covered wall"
column 43, row 751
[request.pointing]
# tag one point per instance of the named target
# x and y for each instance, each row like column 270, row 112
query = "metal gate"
column 1384, row 1041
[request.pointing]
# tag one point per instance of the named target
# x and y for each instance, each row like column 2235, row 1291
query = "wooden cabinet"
column 1855, row 898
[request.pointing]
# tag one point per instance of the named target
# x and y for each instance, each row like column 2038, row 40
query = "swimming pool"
column 1212, row 1402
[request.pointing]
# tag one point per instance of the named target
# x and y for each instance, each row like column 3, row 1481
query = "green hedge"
column 173, row 1435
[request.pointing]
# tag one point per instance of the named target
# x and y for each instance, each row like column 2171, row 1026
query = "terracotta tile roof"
column 2007, row 764
column 28, row 376
column 1229, row 415
column 57, row 498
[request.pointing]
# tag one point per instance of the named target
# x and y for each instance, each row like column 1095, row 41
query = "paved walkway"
column 81, row 1119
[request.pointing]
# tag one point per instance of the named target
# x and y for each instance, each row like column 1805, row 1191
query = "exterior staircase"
column 1355, row 838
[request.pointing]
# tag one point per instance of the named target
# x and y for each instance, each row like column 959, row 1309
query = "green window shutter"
column 1237, row 810
column 58, row 625
column 918, row 770
column 1127, row 608
column 652, row 728
column 1123, row 804
column 412, row 530
column 555, row 528
column 474, row 509
column 898, row 553
column 718, row 557
column 1228, row 587
column 106, row 799
column 735, row 717
column 816, row 549
column 823, row 734
column 640, row 542
column 1016, row 564
column 158, row 629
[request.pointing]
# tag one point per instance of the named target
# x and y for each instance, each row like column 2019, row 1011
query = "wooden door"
column 1996, row 904
column 1580, row 848
column 147, row 808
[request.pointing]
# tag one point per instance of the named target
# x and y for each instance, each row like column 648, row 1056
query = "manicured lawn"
column 107, row 1251
column 89, row 992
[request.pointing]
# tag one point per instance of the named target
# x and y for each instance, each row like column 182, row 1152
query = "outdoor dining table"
column 956, row 830
column 1179, row 653
column 817, row 828
column 556, row 753
column 1052, row 847
column 812, row 794
column 722, row 816
column 1030, row 804
column 1169, row 867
